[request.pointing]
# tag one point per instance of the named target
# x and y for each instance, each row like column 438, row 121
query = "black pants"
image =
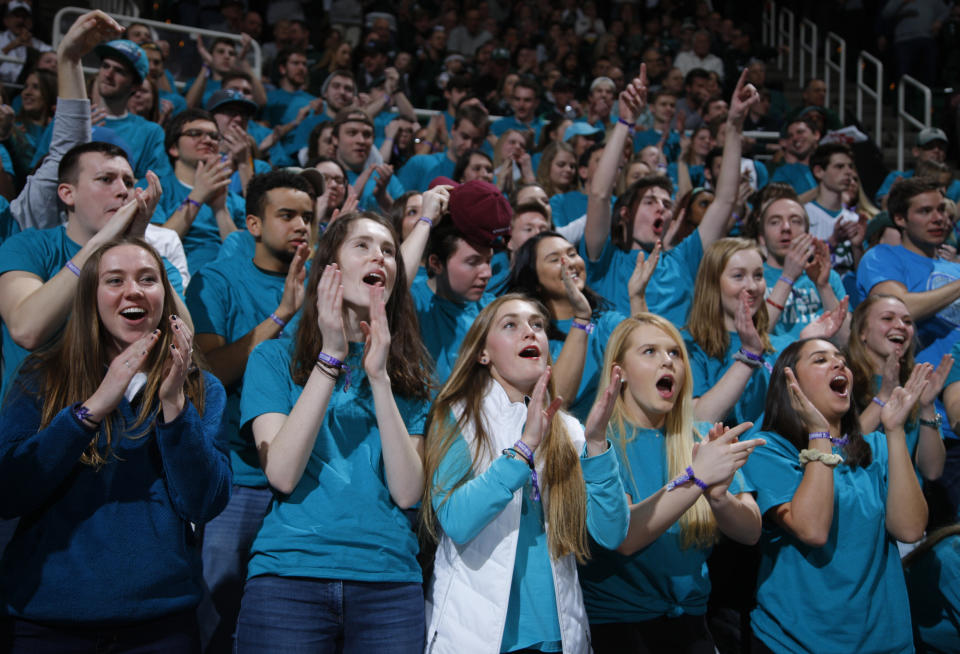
column 685, row 634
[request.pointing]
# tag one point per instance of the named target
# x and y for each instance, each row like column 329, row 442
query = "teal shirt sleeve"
column 774, row 470
column 608, row 515
column 464, row 512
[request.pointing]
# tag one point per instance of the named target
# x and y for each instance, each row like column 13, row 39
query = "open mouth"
column 134, row 314
column 530, row 352
column 665, row 386
column 375, row 279
column 899, row 339
column 657, row 226
column 840, row 385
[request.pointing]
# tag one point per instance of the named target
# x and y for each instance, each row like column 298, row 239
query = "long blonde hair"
column 698, row 527
column 564, row 491
column 706, row 323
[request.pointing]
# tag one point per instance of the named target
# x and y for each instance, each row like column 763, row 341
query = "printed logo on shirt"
column 951, row 312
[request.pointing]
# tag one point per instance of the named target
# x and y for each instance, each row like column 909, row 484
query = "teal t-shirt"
column 43, row 252
column 670, row 291
column 282, row 106
column 413, row 174
column 850, row 594
column 590, row 381
column 567, row 207
column 229, row 298
column 367, row 200
column 803, row 305
column 144, row 138
column 202, row 241
column 499, row 271
column 340, row 521
column 443, row 324
column 664, row 578
column 797, row 175
column 708, row 370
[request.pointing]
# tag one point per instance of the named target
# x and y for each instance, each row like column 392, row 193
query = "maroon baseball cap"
column 479, row 211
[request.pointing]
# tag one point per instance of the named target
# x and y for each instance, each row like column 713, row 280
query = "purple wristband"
column 527, row 452
column 72, row 267
column 279, row 321
column 426, row 220
column 784, row 278
column 876, row 400
column 624, row 122
column 334, row 362
column 820, row 435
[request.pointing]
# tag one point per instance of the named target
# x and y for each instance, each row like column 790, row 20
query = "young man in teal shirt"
column 237, row 303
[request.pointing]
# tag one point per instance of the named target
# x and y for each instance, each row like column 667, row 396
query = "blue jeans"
column 226, row 550
column 291, row 615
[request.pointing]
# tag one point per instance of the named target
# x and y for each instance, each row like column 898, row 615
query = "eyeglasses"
column 200, row 133
column 335, row 179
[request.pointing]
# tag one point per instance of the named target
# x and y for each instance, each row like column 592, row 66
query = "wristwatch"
column 935, row 423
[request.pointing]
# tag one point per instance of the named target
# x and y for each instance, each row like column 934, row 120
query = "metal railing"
column 875, row 92
column 768, row 24
column 808, row 47
column 155, row 24
column 904, row 116
column 785, row 23
column 834, row 45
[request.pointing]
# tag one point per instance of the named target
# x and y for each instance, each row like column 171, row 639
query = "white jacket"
column 466, row 605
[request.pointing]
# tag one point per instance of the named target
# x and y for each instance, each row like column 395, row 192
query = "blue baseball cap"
column 128, row 52
column 581, row 128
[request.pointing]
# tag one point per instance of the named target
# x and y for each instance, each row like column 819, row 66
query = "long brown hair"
column 864, row 382
column 706, row 323
column 564, row 491
column 546, row 161
column 698, row 526
column 72, row 368
column 407, row 363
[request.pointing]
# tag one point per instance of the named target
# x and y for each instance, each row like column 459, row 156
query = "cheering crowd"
column 568, row 364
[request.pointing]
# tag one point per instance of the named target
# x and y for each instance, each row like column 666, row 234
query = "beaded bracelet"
column 684, row 478
column 527, row 452
column 72, row 267
column 825, row 435
column 326, row 361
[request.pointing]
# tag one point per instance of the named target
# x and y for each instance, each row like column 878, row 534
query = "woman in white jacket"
column 514, row 489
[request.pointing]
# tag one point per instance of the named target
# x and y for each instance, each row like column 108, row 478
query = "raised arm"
column 712, row 227
column 716, row 403
column 434, row 207
column 228, row 361
column 809, row 514
column 632, row 101
column 34, row 310
column 284, row 441
column 906, row 515
column 715, row 461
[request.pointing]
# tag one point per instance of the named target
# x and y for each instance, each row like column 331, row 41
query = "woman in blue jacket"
column 108, row 455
